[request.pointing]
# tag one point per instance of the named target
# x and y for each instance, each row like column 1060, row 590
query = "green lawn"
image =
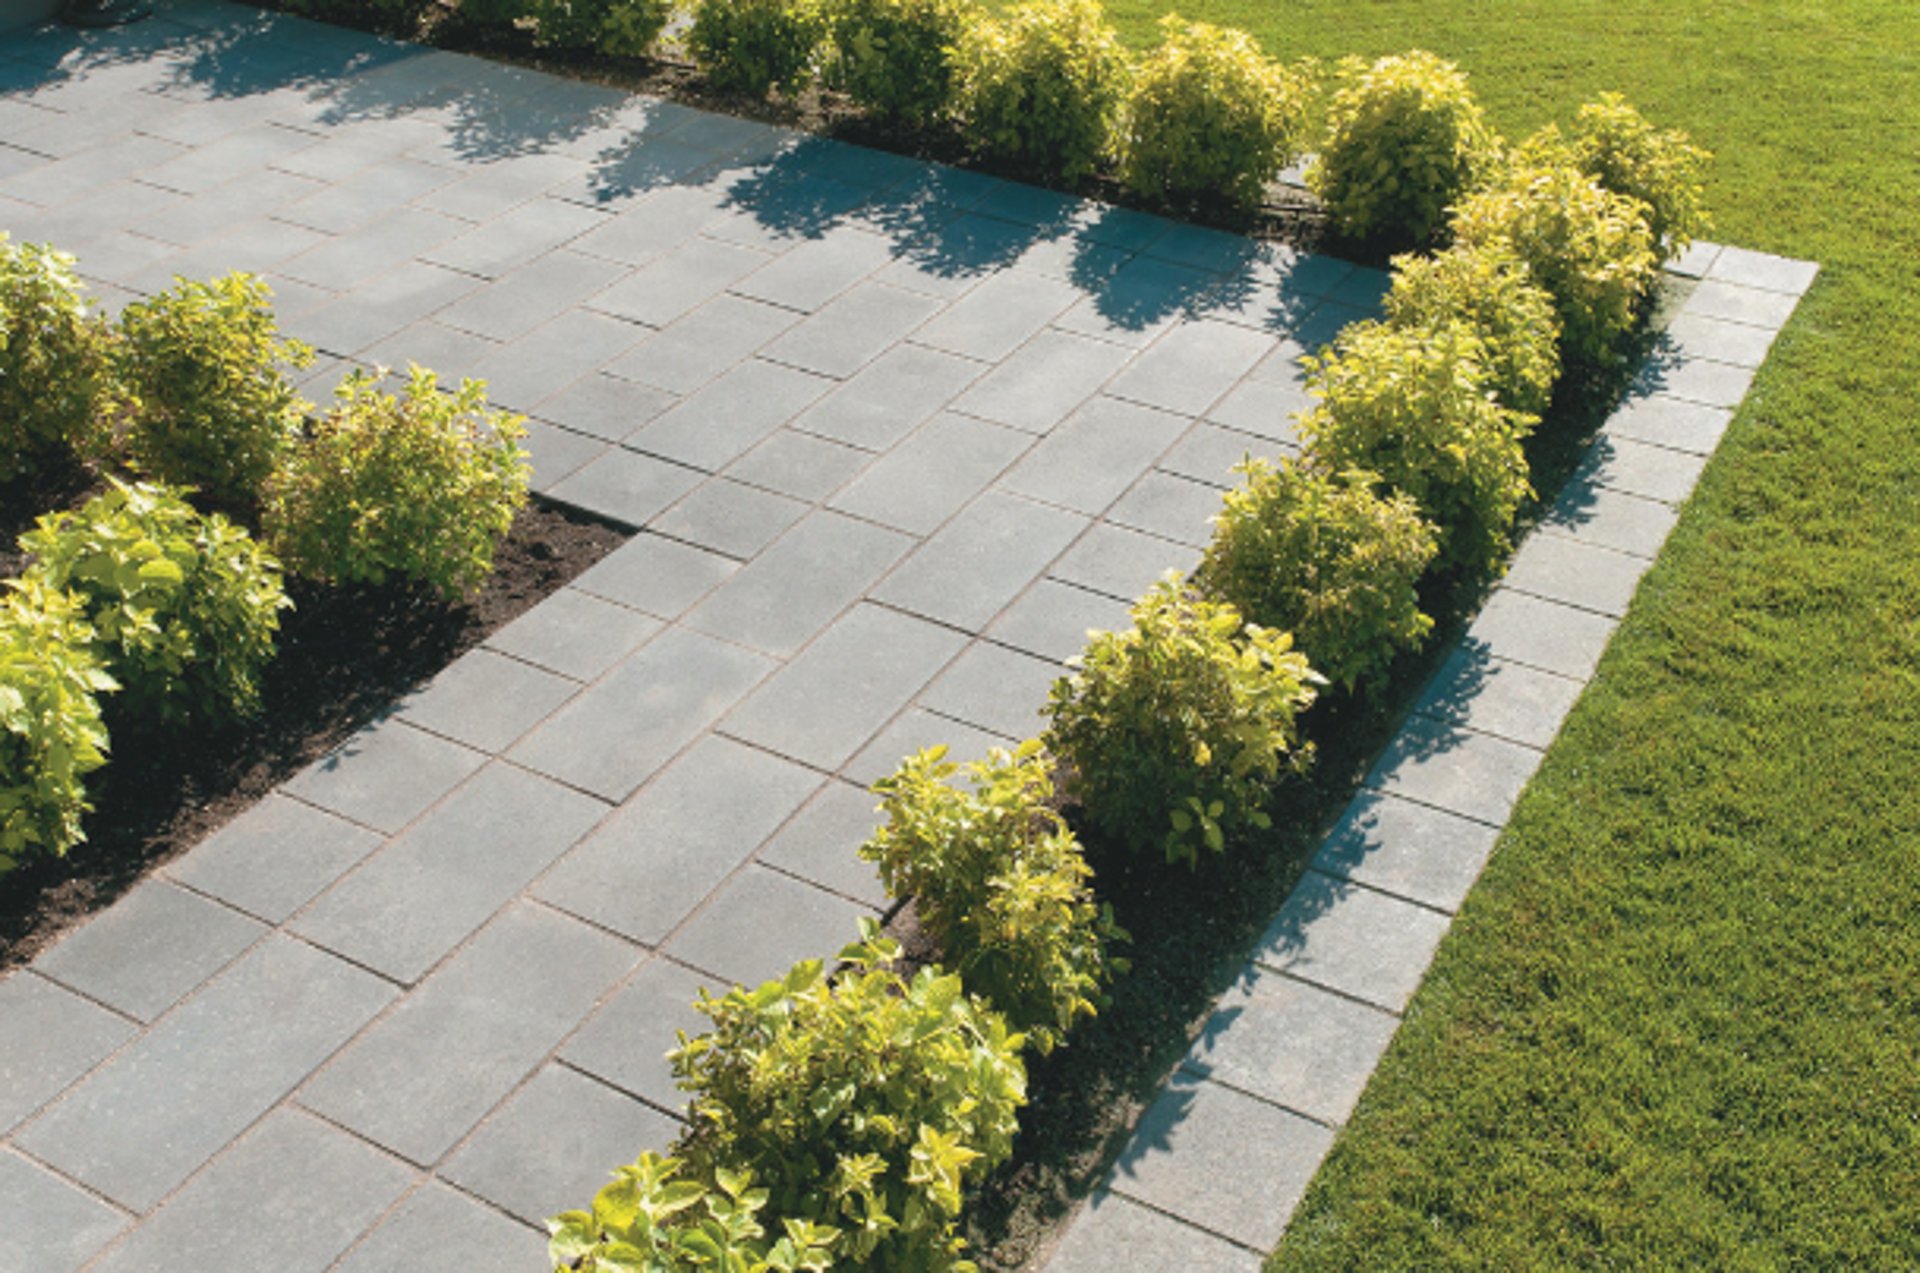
column 1678, row 1023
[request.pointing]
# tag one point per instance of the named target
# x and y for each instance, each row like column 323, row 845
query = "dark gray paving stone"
column 761, row 923
column 554, row 453
column 981, row 560
column 658, row 575
column 453, row 355
column 626, row 486
column 1264, row 409
column 49, row 1037
column 486, row 700
column 1747, row 268
column 1734, row 303
column 1695, row 336
column 312, row 1187
column 852, row 330
column 1543, row 634
column 518, row 236
column 1169, row 506
column 1041, row 383
column 1495, row 696
column 1595, row 514
column 998, row 316
column 933, row 474
column 342, row 154
column 730, row 517
column 793, row 589
column 1142, row 299
column 1052, row 619
column 998, row 689
column 1411, row 850
column 1293, row 1044
column 822, row 843
column 373, row 249
column 626, row 1042
column 1360, row 943
column 1475, row 775
column 620, row 731
column 118, row 208
column 367, row 195
column 1634, row 468
column 45, row 1223
column 515, row 303
column 812, row 274
column 670, row 846
column 916, row 730
column 507, row 999
column 685, row 278
column 890, row 398
column 1210, row 453
column 381, row 308
column 1192, row 367
column 1669, row 422
column 555, row 1143
column 422, row 895
column 555, row 355
column 1577, row 574
column 1122, row 563
column 275, row 857
column 575, row 634
column 496, row 188
column 1221, row 1160
column 1118, row 1233
column 800, row 464
column 150, row 949
column 139, row 1125
column 705, row 344
column 440, row 1231
column 1203, row 248
column 729, row 417
column 385, row 775
column 604, row 406
column 1102, row 449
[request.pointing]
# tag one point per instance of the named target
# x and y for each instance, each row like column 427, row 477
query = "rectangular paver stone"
column 1497, row 696
column 1576, row 574
column 1412, row 850
column 795, row 587
column 699, row 347
column 761, row 923
column 150, row 949
column 626, row 486
column 1353, row 940
column 1122, row 563
column 1475, row 775
column 1170, row 506
column 998, row 316
column 1545, row 634
column 1192, row 367
column 1090, row 460
column 626, row 1042
column 575, row 634
column 1000, row 690
column 852, row 330
column 439, row 1230
column 981, row 560
column 717, row 425
column 49, row 1037
column 1118, row 1233
column 822, row 843
column 1052, row 619
column 47, row 1224
column 1041, row 383
column 730, row 517
column 890, row 397
column 385, row 776
column 661, row 576
column 486, row 700
column 927, row 478
column 1592, row 513
column 275, row 857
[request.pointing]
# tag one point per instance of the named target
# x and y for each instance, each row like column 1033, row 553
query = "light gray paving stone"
column 682, row 280
column 1041, row 383
column 658, row 575
column 231, row 158
column 1282, row 365
column 697, row 347
column 438, row 1230
column 1052, row 619
column 1122, row 563
column 646, row 869
column 1350, row 939
column 604, row 406
column 575, row 634
column 556, row 355
column 1081, row 261
column 1696, row 336
column 1576, row 574
column 1411, row 850
column 761, row 923
column 995, row 688
column 1209, row 454
column 1265, row 409
column 495, row 188
column 116, row 208
column 1192, row 367
column 254, row 247
column 1695, row 261
column 49, row 1037
column 342, row 154
column 275, row 857
column 1229, row 1163
column 1734, row 303
column 626, row 1042
column 1595, row 514
column 519, row 236
column 381, row 308
column 312, row 1187
column 852, row 330
column 915, row 730
column 1293, row 1044
column 555, row 454
column 623, row 729
column 373, row 192
column 121, row 259
column 373, row 249
column 822, row 843
column 486, row 700
column 45, row 1223
column 515, row 303
column 890, row 398
column 841, row 690
column 1694, row 379
column 793, row 589
column 1669, row 422
column 933, row 474
column 799, row 464
column 999, row 316
column 430, row 1070
column 1118, row 1233
column 1449, row 767
column 627, row 487
column 816, row 271
column 1748, row 268
column 1496, row 696
column 555, row 1143
column 150, row 949
column 1543, row 634
column 64, row 180
column 139, row 1125
column 729, row 517
column 1142, row 299
column 654, row 225
column 981, row 560
column 422, row 895
column 1092, row 459
column 385, row 775
column 452, row 355
column 1172, row 507
column 730, row 416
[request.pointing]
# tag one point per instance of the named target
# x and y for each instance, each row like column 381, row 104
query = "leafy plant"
column 52, row 359
column 51, row 735
column 1326, row 558
column 863, row 1101
column 402, row 17
column 1210, row 117
column 419, row 486
column 1173, row 729
column 999, row 882
column 1042, row 85
column 203, row 394
column 896, row 57
column 621, row 28
column 183, row 606
column 1490, row 289
column 1411, row 405
column 1404, row 140
column 755, row 46
column 1663, row 169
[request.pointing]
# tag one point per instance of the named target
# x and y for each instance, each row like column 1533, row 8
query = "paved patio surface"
column 896, row 436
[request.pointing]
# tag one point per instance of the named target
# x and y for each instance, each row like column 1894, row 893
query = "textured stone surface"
column 49, row 1037
column 150, row 949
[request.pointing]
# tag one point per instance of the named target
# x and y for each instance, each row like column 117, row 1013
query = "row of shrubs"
column 164, row 593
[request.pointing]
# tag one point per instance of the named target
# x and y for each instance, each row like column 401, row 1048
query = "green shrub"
column 862, row 1101
column 1411, row 405
column 494, row 14
column 1492, row 291
column 649, row 1220
column 1173, row 729
column 205, row 401
column 755, row 46
column 184, row 606
column 1042, row 85
column 1616, row 145
column 419, row 486
column 52, row 359
column 402, row 17
column 1210, row 117
column 1326, row 558
column 1405, row 139
column 999, row 882
column 621, row 28
column 896, row 57
column 1591, row 249
column 51, row 735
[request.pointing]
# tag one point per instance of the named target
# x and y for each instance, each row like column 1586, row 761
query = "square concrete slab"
column 1634, row 468
column 1210, row 454
column 915, row 730
column 730, row 416
column 575, row 634
column 150, row 949
column 698, row 347
column 798, row 464
column 1193, row 366
column 1352, row 940
column 486, row 700
column 998, row 316
column 626, row 1042
column 1054, row 620
column 46, row 1223
column 1582, row 575
column 730, row 517
column 1041, row 383
column 1410, row 850
column 605, row 406
column 854, row 329
column 1118, row 1233
column 1172, row 507
column 761, row 923
column 440, row 1231
column 1122, row 563
column 274, row 858
column 627, row 487
column 997, row 689
column 1594, row 514
column 49, row 1037
column 1669, row 422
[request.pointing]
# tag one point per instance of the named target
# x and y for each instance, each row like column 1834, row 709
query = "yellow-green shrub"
column 896, row 57
column 1663, row 169
column 52, row 359
column 622, row 28
column 1491, row 290
column 51, row 735
column 755, row 46
column 1042, row 86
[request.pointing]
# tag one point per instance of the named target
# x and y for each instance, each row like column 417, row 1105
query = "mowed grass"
column 1677, row 1024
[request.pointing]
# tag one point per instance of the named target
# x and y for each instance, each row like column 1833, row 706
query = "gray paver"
column 1698, row 336
column 1265, row 409
column 1613, row 519
column 981, row 560
column 730, row 416
column 605, row 406
column 453, row 355
column 1736, row 304
column 1450, row 767
column 1500, row 697
column 517, row 302
column 916, row 730
column 275, row 857
column 1748, row 268
column 1191, row 367
column 497, row 188
column 1090, row 461
column 1696, row 379
column 1118, row 1233
column 440, row 1231
column 1411, row 850
column 1634, row 468
column 555, row 355
column 486, row 700
column 1670, row 422
column 49, row 1037
column 995, row 688
column 653, row 226
column 822, row 843
column 373, row 192
column 1122, row 563
column 374, row 248
column 427, row 1073
column 575, row 634
column 555, row 454
column 1351, row 939
column 1052, row 619
column 1210, row 453
column 932, row 474
column 1042, row 382
column 795, row 587
column 516, row 237
column 761, row 923
column 890, row 398
column 998, row 316
column 382, row 308
column 812, row 274
column 45, row 1223
column 1543, row 634
column 234, row 156
column 854, row 329
column 656, row 574
column 626, row 486
column 730, row 517
column 1170, row 506
column 1576, row 574
column 799, row 464
column 626, row 1042
column 698, row 347
column 385, row 775
column 681, row 281
column 149, row 949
